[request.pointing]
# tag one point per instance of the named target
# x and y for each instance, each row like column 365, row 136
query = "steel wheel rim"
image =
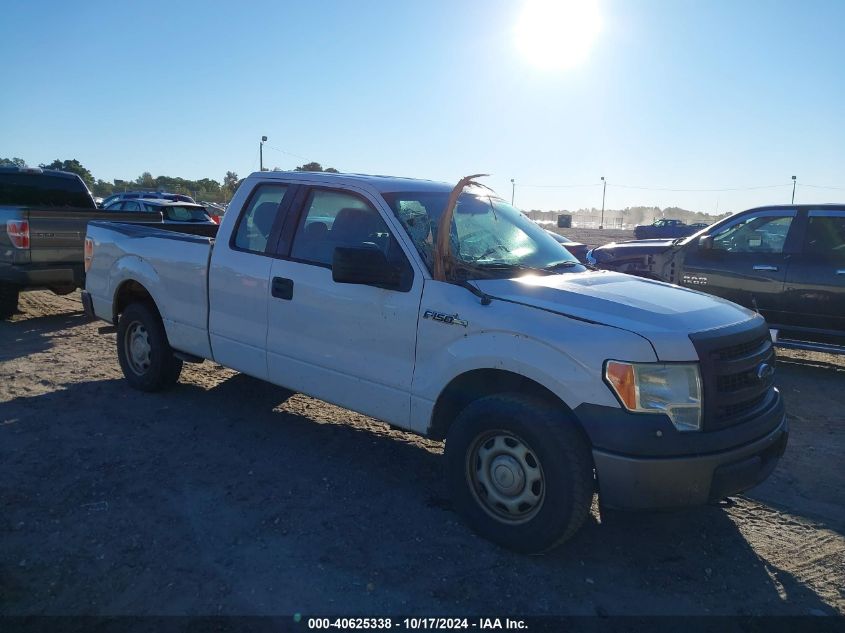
column 505, row 477
column 138, row 349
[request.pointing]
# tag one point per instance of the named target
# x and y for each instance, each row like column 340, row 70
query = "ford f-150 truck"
column 785, row 262
column 43, row 215
column 445, row 311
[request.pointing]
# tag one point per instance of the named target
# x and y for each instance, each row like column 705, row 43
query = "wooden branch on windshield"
column 444, row 226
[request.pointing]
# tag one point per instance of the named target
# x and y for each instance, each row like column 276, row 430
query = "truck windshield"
column 43, row 190
column 489, row 237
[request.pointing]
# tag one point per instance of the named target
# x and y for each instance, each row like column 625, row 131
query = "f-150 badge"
column 695, row 280
column 449, row 319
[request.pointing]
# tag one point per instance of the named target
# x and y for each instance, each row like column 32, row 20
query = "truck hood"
column 662, row 313
column 634, row 248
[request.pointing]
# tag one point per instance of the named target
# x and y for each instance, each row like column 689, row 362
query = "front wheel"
column 145, row 356
column 520, row 471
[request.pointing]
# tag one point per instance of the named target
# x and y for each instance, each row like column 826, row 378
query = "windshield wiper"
column 491, row 268
column 568, row 263
column 503, row 266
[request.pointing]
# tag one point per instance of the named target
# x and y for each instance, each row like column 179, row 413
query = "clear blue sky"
column 674, row 93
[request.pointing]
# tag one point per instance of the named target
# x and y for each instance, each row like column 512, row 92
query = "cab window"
column 331, row 219
column 256, row 223
column 754, row 234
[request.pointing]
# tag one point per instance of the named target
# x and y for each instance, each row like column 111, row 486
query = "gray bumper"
column 30, row 276
column 640, row 483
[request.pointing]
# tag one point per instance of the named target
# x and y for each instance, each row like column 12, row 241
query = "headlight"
column 673, row 389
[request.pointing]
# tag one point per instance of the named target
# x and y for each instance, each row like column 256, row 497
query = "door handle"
column 841, row 271
column 282, row 288
column 765, row 267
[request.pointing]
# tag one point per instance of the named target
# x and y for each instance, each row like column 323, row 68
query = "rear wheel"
column 521, row 473
column 145, row 356
column 8, row 300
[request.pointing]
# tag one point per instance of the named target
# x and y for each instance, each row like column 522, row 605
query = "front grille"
column 734, row 390
column 742, row 349
column 741, row 408
column 735, row 382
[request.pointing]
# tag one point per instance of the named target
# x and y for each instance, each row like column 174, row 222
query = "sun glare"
column 557, row 34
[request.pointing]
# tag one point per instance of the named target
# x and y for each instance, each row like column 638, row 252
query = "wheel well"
column 130, row 292
column 480, row 383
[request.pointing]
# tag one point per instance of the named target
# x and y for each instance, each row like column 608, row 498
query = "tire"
column 145, row 356
column 548, row 490
column 8, row 300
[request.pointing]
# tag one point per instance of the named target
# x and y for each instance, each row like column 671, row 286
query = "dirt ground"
column 230, row 496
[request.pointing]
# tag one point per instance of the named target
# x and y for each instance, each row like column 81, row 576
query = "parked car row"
column 146, row 195
column 43, row 218
column 171, row 211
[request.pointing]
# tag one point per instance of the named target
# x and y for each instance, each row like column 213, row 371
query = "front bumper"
column 639, row 483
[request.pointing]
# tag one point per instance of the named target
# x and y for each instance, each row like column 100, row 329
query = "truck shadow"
column 246, row 498
column 25, row 336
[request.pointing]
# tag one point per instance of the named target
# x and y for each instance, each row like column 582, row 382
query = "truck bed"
column 169, row 261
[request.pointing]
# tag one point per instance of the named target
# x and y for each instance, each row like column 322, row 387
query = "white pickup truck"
column 548, row 381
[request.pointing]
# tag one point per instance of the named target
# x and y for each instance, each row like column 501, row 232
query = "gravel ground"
column 230, row 496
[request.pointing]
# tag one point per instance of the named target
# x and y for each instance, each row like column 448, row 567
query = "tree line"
column 207, row 189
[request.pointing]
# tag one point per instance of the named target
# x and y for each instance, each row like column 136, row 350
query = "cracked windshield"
column 489, row 237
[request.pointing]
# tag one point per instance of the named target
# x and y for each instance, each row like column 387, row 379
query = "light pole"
column 513, row 190
column 603, row 190
column 261, row 153
column 794, row 180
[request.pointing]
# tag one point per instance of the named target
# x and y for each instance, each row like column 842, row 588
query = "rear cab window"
column 43, row 190
column 256, row 223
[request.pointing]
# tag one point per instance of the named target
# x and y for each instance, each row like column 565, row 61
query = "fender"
column 134, row 268
column 547, row 364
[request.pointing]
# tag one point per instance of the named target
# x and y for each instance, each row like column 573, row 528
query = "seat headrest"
column 264, row 216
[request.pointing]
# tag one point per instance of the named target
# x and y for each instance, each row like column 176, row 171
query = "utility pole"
column 794, row 180
column 513, row 190
column 603, row 190
column 261, row 153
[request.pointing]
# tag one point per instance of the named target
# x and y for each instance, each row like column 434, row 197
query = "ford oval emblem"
column 765, row 371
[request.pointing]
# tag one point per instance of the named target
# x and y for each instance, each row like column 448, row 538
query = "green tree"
column 313, row 166
column 12, row 162
column 146, row 180
column 73, row 166
column 230, row 183
column 102, row 188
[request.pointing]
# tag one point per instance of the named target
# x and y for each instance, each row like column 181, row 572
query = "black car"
column 663, row 227
column 786, row 262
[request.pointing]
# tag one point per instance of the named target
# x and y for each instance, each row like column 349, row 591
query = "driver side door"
column 747, row 263
column 349, row 344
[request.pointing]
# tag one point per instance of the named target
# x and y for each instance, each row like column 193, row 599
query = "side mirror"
column 367, row 266
column 705, row 242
